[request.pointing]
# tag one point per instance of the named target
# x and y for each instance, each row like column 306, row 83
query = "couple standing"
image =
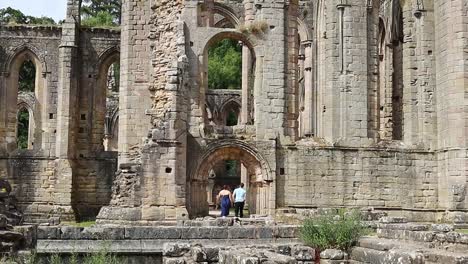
column 226, row 199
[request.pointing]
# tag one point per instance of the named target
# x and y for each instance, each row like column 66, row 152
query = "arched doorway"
column 258, row 179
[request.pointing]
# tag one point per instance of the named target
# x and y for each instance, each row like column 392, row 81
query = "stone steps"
column 375, row 250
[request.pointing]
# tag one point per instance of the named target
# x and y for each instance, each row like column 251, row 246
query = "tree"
column 27, row 77
column 107, row 12
column 23, row 129
column 225, row 65
column 101, row 19
column 14, row 16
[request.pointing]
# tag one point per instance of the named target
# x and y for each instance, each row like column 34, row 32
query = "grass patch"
column 462, row 231
column 80, row 224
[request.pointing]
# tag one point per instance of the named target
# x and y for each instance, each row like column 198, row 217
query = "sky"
column 51, row 8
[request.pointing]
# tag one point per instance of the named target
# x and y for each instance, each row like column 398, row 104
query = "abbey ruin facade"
column 344, row 103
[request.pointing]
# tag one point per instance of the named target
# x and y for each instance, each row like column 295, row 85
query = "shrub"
column 329, row 231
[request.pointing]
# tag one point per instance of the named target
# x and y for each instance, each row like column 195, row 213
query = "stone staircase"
column 407, row 243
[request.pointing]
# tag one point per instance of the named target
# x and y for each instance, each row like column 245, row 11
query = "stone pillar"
column 160, row 93
column 308, row 124
column 134, row 95
column 246, row 61
column 66, row 109
column 343, row 72
column 451, row 35
column 249, row 11
column 292, row 90
column 418, row 83
column 350, row 119
column 271, row 88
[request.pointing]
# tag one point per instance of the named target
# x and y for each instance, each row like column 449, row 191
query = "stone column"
column 451, row 35
column 351, row 103
column 343, row 72
column 308, row 127
column 134, row 95
column 271, row 89
column 418, row 84
column 66, row 109
column 246, row 61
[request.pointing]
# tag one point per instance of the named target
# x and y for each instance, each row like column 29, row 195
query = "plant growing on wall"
column 254, row 28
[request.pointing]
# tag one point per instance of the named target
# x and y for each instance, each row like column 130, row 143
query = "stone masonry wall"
column 35, row 175
column 357, row 177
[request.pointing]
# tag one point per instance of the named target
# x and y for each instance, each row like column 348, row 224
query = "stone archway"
column 260, row 186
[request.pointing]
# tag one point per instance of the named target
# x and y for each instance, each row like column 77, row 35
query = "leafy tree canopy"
column 225, row 65
column 101, row 12
column 14, row 16
column 27, row 77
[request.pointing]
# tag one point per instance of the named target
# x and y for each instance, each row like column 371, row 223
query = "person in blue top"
column 239, row 200
column 225, row 200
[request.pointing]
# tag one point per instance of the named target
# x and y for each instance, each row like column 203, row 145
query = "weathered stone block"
column 175, row 249
column 153, row 232
column 48, row 232
column 241, row 232
column 70, row 232
column 103, row 233
column 444, row 228
column 332, row 254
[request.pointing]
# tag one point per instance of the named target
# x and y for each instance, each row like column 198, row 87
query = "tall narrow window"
column 26, row 89
column 112, row 104
column 23, row 129
column 27, row 77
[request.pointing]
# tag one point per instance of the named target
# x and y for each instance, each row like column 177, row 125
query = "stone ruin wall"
column 164, row 128
column 34, row 173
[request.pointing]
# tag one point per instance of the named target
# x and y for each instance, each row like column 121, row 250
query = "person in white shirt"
column 239, row 200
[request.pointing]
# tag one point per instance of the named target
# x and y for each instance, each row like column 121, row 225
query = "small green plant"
column 73, row 258
column 255, row 28
column 102, row 257
column 55, row 259
column 31, row 258
column 333, row 231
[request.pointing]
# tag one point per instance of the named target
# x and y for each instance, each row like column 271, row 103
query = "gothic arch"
column 227, row 13
column 226, row 108
column 103, row 114
column 22, row 50
column 260, row 176
column 36, row 100
column 216, row 36
column 106, row 58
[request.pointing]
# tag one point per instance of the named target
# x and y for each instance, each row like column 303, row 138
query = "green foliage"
column 80, row 224
column 73, row 258
column 27, row 77
column 31, row 258
column 231, row 119
column 101, row 12
column 14, row 16
column 102, row 257
column 329, row 231
column 101, row 19
column 225, row 65
column 231, row 168
column 55, row 259
column 23, row 129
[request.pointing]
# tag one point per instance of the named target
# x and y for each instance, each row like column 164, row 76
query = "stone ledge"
column 142, row 246
column 164, row 232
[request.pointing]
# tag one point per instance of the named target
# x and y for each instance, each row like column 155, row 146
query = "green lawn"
column 80, row 224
